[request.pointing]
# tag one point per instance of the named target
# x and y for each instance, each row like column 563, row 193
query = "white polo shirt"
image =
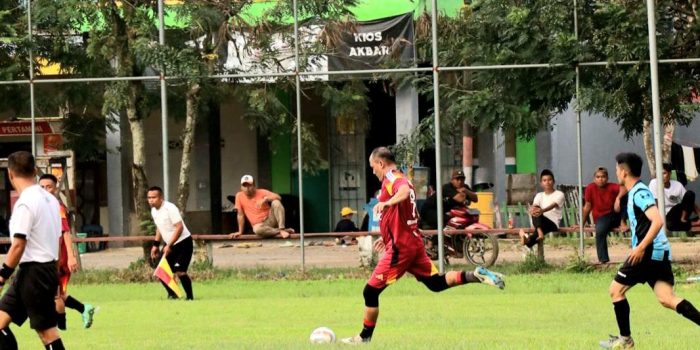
column 673, row 195
column 544, row 200
column 165, row 218
column 36, row 215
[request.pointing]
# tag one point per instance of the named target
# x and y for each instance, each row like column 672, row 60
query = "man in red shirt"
column 402, row 243
column 603, row 199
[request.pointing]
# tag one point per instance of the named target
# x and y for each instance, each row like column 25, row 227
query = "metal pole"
column 300, row 171
column 581, row 219
column 357, row 72
column 31, row 77
column 438, row 152
column 654, row 67
column 164, row 107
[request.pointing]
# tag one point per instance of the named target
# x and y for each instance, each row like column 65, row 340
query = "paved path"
column 271, row 254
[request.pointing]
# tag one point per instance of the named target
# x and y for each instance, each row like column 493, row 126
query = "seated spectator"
column 603, row 199
column 346, row 225
column 262, row 208
column 545, row 211
column 456, row 193
column 680, row 204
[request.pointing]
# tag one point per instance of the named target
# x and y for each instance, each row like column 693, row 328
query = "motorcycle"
column 477, row 248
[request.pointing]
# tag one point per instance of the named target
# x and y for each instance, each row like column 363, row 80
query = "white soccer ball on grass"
column 322, row 335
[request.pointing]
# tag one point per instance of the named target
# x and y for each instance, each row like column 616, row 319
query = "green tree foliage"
column 491, row 32
column 617, row 31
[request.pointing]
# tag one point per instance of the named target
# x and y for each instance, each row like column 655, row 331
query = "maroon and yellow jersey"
column 62, row 249
column 399, row 223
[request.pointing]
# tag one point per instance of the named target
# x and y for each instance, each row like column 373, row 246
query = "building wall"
column 601, row 141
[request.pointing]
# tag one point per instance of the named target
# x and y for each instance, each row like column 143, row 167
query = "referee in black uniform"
column 35, row 228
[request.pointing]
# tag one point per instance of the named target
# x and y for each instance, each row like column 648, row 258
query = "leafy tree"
column 617, row 31
column 492, row 32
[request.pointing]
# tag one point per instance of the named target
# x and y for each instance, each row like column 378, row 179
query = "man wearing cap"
column 454, row 194
column 262, row 208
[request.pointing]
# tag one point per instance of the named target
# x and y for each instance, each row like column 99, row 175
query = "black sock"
column 622, row 313
column 468, row 277
column 61, row 321
column 74, row 304
column 7, row 339
column 55, row 345
column 187, row 285
column 367, row 330
column 171, row 294
column 688, row 311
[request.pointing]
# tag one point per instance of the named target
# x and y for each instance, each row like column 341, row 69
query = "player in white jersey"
column 35, row 228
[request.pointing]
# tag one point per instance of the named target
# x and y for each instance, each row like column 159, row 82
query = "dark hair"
column 383, row 153
column 156, row 188
column 632, row 161
column 48, row 177
column 22, row 164
column 546, row 172
column 668, row 167
column 601, row 169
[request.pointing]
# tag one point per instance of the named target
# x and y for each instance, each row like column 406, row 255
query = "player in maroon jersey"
column 402, row 244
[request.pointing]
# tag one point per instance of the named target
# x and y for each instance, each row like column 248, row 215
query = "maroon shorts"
column 395, row 263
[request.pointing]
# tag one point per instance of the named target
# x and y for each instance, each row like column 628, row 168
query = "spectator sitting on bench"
column 346, row 225
column 603, row 199
column 680, row 204
column 545, row 211
column 262, row 208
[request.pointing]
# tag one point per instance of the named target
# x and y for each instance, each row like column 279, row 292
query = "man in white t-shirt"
column 35, row 227
column 545, row 211
column 680, row 204
column 177, row 238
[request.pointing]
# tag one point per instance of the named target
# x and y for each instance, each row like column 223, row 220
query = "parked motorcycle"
column 477, row 248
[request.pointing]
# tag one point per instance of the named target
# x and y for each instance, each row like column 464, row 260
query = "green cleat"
column 88, row 314
column 617, row 343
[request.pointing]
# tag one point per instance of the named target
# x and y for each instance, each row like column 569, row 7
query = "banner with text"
column 374, row 43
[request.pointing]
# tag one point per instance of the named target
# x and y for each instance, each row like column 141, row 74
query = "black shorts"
column 647, row 271
column 31, row 294
column 180, row 255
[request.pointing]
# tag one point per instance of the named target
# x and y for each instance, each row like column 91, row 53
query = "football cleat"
column 88, row 314
column 488, row 277
column 617, row 343
column 355, row 340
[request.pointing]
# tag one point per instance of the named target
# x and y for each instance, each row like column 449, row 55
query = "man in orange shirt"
column 263, row 209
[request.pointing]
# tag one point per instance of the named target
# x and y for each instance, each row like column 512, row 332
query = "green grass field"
column 549, row 311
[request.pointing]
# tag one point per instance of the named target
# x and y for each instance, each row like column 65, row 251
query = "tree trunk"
column 665, row 145
column 138, row 148
column 188, row 134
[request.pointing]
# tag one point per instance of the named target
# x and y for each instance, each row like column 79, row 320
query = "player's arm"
column 176, row 235
column 402, row 194
column 12, row 259
column 156, row 244
column 68, row 242
column 652, row 213
column 618, row 200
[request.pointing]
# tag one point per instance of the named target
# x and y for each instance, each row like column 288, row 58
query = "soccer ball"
column 322, row 335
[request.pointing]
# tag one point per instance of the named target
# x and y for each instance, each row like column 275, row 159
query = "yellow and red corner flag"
column 165, row 274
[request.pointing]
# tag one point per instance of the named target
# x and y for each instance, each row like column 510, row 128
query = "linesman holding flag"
column 178, row 244
column 35, row 228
